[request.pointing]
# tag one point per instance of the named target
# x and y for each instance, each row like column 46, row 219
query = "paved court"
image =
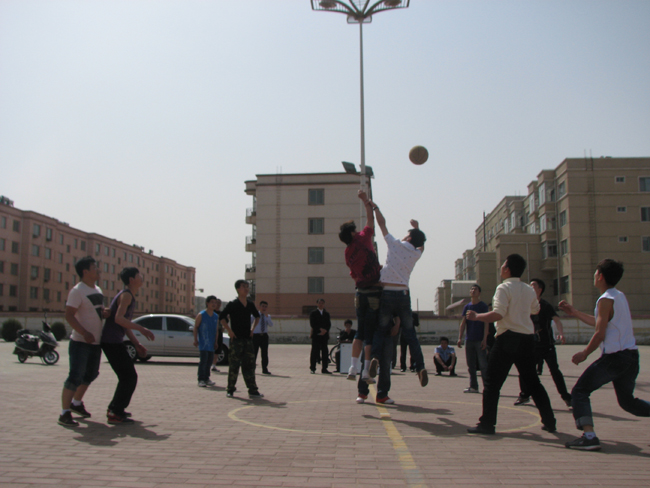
column 306, row 432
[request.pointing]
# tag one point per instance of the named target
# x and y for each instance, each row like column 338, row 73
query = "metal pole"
column 363, row 130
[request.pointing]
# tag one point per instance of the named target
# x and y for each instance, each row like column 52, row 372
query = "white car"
column 174, row 337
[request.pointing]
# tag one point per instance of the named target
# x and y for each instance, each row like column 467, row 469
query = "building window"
column 317, row 196
column 46, row 294
column 34, row 272
column 46, row 274
column 83, row 245
column 3, row 222
column 48, row 253
column 2, row 290
column 2, row 266
column 622, row 239
column 16, row 225
column 60, row 238
column 316, row 255
column 316, row 284
column 33, row 292
column 620, row 179
column 60, row 258
column 58, row 296
column 2, row 244
column 59, row 277
column 621, row 209
column 36, row 250
column 549, row 249
column 564, row 247
column 37, row 230
column 13, row 291
column 564, row 285
column 106, row 250
column 645, row 214
column 561, row 189
column 97, row 249
column 645, row 244
column 316, row 226
column 644, row 183
column 13, row 269
column 15, row 247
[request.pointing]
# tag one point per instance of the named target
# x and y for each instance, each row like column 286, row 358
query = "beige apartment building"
column 37, row 257
column 573, row 216
column 297, row 256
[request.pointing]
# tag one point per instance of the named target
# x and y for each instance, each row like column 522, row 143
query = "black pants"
column 319, row 351
column 261, row 341
column 518, row 349
column 440, row 369
column 547, row 353
column 127, row 378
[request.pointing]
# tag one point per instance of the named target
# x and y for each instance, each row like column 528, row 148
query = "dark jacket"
column 319, row 321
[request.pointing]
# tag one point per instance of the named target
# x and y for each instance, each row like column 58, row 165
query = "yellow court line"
column 413, row 476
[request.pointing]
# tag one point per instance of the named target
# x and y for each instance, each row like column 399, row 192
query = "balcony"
column 250, row 244
column 549, row 264
column 250, row 272
column 251, row 216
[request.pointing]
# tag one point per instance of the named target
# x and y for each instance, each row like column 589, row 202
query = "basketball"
column 418, row 155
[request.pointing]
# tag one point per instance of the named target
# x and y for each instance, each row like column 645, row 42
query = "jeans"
column 547, row 353
column 127, row 378
column 621, row 368
column 205, row 362
column 366, row 303
column 475, row 356
column 84, row 364
column 261, row 342
column 397, row 303
column 518, row 349
column 383, row 380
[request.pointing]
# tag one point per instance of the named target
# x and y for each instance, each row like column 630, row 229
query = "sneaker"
column 312, row 371
column 67, row 420
column 114, row 418
column 257, row 394
column 266, row 372
column 583, row 444
column 470, row 390
column 362, row 398
column 423, row 377
column 367, row 379
column 214, row 368
column 202, row 384
column 352, row 373
column 522, row 400
column 210, row 383
column 128, row 414
column 385, row 401
column 80, row 409
column 549, row 428
column 374, row 366
column 229, row 395
column 403, row 370
column 326, row 372
column 482, row 429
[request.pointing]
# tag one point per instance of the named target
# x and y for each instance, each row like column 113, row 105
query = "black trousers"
column 518, row 349
column 319, row 351
column 127, row 378
column 547, row 353
column 261, row 342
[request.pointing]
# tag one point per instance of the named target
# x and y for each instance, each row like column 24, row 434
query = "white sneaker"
column 352, row 373
column 210, row 383
column 470, row 390
column 367, row 379
column 362, row 398
column 202, row 384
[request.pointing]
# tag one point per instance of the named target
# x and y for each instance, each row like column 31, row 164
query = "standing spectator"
column 319, row 320
column 219, row 345
column 476, row 339
column 205, row 337
column 261, row 336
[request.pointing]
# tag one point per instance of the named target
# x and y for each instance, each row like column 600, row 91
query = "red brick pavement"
column 306, row 432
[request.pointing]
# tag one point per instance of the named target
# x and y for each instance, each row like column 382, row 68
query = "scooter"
column 27, row 345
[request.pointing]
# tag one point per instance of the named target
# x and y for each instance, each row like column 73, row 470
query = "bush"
column 59, row 331
column 9, row 329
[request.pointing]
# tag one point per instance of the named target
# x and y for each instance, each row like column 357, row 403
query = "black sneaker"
column 374, row 366
column 549, row 428
column 114, row 418
column 584, row 444
column 522, row 400
column 67, row 420
column 325, row 371
column 80, row 409
column 256, row 394
column 482, row 429
column 229, row 394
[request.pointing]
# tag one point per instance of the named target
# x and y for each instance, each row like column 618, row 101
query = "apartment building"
column 37, row 257
column 573, row 216
column 297, row 256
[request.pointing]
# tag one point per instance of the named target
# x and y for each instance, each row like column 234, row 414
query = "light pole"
column 359, row 12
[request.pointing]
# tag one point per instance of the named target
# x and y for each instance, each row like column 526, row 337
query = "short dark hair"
column 476, row 285
column 417, row 237
column 346, row 232
column 540, row 283
column 348, row 321
column 611, row 270
column 210, row 298
column 320, row 299
column 264, row 302
column 83, row 264
column 239, row 283
column 443, row 338
column 127, row 273
column 516, row 264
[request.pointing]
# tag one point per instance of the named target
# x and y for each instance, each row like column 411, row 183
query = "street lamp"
column 359, row 12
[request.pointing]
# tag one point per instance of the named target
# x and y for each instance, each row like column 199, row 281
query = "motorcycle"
column 27, row 345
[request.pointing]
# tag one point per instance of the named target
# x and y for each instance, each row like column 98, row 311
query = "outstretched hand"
column 415, row 224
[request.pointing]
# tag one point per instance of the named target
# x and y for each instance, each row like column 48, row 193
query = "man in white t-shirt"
column 395, row 297
column 619, row 362
column 84, row 312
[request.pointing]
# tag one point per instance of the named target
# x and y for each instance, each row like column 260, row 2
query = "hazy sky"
column 141, row 120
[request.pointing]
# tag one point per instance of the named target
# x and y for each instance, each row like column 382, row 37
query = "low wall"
column 289, row 330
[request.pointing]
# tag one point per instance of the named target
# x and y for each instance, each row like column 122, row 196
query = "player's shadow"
column 100, row 434
column 258, row 402
column 444, row 428
column 419, row 409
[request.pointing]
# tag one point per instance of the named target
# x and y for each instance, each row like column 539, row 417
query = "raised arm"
column 381, row 220
column 370, row 218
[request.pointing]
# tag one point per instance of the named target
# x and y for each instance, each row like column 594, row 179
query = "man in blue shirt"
column 445, row 358
column 476, row 339
column 205, row 337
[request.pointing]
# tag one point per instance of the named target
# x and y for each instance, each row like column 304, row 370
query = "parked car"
column 174, row 337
